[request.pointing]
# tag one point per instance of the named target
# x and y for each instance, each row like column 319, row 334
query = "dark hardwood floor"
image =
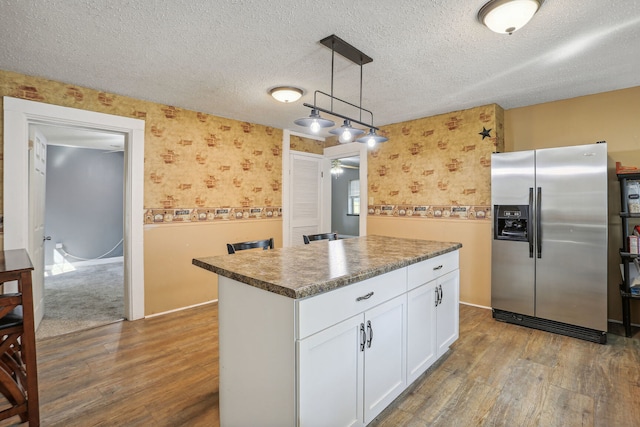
column 163, row 371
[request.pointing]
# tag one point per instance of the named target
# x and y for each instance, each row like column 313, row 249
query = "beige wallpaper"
column 437, row 166
column 198, row 167
column 306, row 145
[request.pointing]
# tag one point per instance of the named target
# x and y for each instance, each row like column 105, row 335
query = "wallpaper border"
column 214, row 214
column 432, row 211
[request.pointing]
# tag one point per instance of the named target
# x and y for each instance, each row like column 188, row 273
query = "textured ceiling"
column 222, row 57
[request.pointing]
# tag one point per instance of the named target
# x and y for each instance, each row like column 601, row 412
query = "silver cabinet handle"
column 441, row 294
column 363, row 337
column 370, row 329
column 437, row 268
column 363, row 297
column 437, row 296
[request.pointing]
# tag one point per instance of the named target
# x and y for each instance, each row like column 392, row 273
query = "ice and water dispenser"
column 511, row 222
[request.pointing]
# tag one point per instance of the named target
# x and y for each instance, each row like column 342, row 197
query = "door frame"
column 18, row 115
column 325, row 214
column 350, row 150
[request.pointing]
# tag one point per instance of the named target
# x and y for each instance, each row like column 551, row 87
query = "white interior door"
column 307, row 185
column 37, row 185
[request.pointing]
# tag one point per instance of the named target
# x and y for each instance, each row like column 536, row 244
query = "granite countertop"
column 321, row 266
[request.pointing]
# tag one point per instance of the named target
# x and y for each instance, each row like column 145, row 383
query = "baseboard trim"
column 475, row 305
column 180, row 309
column 90, row 262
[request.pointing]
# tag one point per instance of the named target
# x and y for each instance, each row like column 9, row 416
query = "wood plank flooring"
column 163, row 371
column 499, row 374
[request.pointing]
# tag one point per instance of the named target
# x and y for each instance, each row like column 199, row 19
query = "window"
column 353, row 204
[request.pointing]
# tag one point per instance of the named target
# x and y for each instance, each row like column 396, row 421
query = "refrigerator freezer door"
column 571, row 272
column 512, row 269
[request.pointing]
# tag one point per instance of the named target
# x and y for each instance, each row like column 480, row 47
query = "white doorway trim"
column 349, row 150
column 325, row 216
column 18, row 115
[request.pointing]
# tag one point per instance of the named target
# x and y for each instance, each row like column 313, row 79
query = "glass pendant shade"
column 346, row 132
column 314, row 122
column 372, row 138
column 507, row 16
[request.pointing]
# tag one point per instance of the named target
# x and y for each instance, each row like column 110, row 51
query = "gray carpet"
column 85, row 298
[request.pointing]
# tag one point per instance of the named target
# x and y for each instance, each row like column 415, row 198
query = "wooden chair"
column 322, row 236
column 18, row 370
column 265, row 244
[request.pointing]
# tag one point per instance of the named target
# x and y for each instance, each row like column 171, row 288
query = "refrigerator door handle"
column 539, row 222
column 529, row 225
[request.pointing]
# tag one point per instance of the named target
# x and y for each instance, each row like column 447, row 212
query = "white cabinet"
column 432, row 312
column 384, row 355
column 337, row 358
column 421, row 329
column 447, row 323
column 357, row 367
column 330, row 376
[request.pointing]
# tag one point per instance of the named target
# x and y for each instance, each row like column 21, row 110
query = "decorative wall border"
column 432, row 211
column 203, row 215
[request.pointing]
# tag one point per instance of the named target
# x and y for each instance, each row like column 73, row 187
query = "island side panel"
column 257, row 356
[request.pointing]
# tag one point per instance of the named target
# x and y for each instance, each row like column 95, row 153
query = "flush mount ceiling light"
column 507, row 16
column 286, row 94
column 346, row 132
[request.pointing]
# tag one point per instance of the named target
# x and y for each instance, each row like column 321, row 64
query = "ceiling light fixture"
column 336, row 167
column 286, row 94
column 346, row 132
column 507, row 16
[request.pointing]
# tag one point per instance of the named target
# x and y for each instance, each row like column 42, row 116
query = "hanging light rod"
column 343, row 48
column 342, row 116
column 346, row 132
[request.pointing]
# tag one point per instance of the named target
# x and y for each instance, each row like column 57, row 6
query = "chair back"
column 265, row 244
column 322, row 236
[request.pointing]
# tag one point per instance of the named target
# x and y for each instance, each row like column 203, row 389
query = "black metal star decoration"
column 486, row 133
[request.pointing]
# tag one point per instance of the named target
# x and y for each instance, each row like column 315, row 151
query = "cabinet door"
column 448, row 311
column 330, row 373
column 421, row 329
column 385, row 374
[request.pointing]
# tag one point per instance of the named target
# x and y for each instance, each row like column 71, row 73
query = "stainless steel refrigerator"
column 549, row 247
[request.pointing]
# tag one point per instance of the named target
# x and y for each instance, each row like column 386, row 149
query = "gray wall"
column 342, row 223
column 84, row 201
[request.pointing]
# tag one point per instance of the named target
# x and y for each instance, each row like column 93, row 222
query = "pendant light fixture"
column 314, row 122
column 371, row 138
column 507, row 16
column 346, row 132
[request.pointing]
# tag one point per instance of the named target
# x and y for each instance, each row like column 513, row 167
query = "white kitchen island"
column 330, row 333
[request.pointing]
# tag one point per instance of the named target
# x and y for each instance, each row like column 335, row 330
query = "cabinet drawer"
column 430, row 269
column 321, row 311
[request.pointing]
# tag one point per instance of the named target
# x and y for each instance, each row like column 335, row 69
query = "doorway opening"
column 345, row 197
column 346, row 219
column 84, row 229
column 18, row 116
